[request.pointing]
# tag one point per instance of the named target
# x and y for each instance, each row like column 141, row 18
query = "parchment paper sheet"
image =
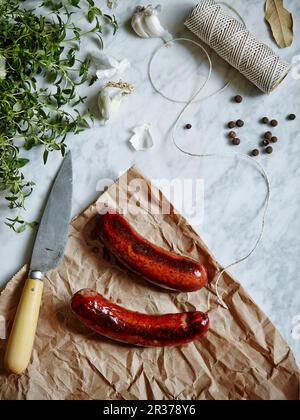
column 243, row 356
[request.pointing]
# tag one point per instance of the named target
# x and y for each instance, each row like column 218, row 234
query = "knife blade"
column 47, row 253
column 51, row 238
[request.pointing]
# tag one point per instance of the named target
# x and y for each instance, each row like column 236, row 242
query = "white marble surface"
column 234, row 192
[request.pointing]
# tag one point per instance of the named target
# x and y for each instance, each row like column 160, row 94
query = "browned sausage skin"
column 120, row 324
column 157, row 265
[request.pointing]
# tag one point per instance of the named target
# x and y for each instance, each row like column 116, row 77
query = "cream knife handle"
column 20, row 342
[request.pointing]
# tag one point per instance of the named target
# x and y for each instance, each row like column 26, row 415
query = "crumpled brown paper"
column 243, row 356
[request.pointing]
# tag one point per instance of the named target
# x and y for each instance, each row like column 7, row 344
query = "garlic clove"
column 104, row 106
column 137, row 24
column 108, row 104
column 146, row 23
column 154, row 27
column 111, row 97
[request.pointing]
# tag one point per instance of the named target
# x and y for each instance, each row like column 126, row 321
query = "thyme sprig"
column 39, row 79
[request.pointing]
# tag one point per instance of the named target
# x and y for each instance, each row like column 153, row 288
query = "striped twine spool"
column 234, row 43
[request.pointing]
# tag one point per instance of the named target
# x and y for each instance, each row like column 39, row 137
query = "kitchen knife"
column 47, row 253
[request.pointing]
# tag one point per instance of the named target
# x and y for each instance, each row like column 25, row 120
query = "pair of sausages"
column 156, row 265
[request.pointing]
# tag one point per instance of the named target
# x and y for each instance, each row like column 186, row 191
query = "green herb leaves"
column 19, row 225
column 41, row 70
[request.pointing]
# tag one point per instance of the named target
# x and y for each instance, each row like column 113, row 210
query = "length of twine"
column 241, row 156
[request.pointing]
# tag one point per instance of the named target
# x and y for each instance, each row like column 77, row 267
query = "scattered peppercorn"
column 274, row 123
column 255, row 152
column 269, row 150
column 292, row 117
column 265, row 142
column 188, row 126
column 231, row 124
column 268, row 135
column 238, row 99
column 236, row 141
column 274, row 139
column 232, row 134
column 265, row 120
column 240, row 123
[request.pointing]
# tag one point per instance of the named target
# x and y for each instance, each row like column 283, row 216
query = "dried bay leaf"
column 281, row 22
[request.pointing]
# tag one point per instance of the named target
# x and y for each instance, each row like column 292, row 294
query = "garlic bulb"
column 146, row 24
column 111, row 96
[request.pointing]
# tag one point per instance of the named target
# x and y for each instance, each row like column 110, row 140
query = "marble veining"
column 234, row 191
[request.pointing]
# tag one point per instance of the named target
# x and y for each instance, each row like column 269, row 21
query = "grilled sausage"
column 157, row 265
column 120, row 324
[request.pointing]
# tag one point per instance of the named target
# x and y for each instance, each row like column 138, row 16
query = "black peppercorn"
column 238, row 99
column 265, row 120
column 268, row 135
column 265, row 142
column 236, row 141
column 232, row 134
column 269, row 150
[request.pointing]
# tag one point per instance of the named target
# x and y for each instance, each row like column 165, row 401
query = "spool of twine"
column 234, row 43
